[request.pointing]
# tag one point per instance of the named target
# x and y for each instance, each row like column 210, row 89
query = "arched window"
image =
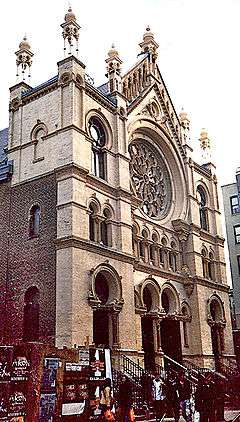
column 143, row 246
column 98, row 135
column 31, row 315
column 34, row 221
column 163, row 253
column 204, row 264
column 147, row 298
column 211, row 272
column 173, row 261
column 93, row 228
column 201, row 196
column 142, row 249
column 173, row 257
column 38, row 138
column 153, row 250
column 135, row 240
column 106, row 228
column 165, row 302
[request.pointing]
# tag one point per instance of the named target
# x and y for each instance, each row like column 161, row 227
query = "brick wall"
column 31, row 261
column 4, row 224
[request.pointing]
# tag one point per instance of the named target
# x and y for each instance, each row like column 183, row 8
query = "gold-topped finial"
column 184, row 119
column 70, row 16
column 113, row 51
column 24, row 44
column 205, row 145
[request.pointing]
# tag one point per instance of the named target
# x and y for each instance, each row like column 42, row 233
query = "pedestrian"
column 159, row 397
column 220, row 398
column 146, row 383
column 184, row 395
column 125, row 399
column 172, row 400
column 205, row 398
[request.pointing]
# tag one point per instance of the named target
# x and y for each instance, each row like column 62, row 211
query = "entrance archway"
column 101, row 317
column 170, row 326
column 147, row 331
column 216, row 321
column 105, row 297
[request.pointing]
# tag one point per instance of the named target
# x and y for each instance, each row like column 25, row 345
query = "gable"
column 155, row 104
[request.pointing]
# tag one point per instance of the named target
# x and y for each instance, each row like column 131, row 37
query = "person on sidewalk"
column 220, row 398
column 159, row 397
column 205, row 398
column 125, row 399
column 184, row 395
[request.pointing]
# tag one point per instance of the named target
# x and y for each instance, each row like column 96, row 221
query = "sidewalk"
column 228, row 415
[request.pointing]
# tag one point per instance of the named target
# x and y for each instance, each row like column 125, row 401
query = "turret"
column 114, row 70
column 70, row 33
column 24, row 60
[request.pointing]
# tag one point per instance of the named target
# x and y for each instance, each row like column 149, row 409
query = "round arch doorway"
column 148, row 331
column 101, row 317
column 106, row 300
column 217, row 334
column 170, row 327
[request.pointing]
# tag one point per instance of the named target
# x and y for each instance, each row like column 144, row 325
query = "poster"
column 20, row 364
column 97, row 364
column 75, row 388
column 47, row 407
column 49, row 374
column 100, row 369
column 3, row 401
column 84, row 357
column 5, row 362
column 73, row 408
column 17, row 399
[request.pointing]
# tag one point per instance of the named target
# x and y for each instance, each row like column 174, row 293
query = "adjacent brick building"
column 110, row 232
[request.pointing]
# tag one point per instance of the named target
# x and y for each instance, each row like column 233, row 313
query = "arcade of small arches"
column 100, row 223
column 148, row 248
column 208, row 264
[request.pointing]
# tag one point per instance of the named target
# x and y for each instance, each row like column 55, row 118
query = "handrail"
column 186, row 369
column 236, row 418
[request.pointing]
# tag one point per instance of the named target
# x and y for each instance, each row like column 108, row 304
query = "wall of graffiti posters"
column 14, row 374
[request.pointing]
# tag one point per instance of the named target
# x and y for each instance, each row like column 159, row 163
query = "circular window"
column 101, row 288
column 97, row 132
column 150, row 179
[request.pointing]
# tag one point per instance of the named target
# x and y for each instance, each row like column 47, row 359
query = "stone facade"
column 101, row 254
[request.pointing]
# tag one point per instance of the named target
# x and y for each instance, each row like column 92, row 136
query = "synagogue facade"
column 110, row 231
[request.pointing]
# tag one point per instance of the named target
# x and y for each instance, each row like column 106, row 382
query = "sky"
column 198, row 55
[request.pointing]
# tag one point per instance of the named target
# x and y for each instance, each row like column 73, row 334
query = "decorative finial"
column 205, row 145
column 113, row 52
column 70, row 31
column 24, row 58
column 149, row 45
column 184, row 119
column 114, row 69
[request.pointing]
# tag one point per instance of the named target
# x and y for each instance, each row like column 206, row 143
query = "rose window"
column 150, row 179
